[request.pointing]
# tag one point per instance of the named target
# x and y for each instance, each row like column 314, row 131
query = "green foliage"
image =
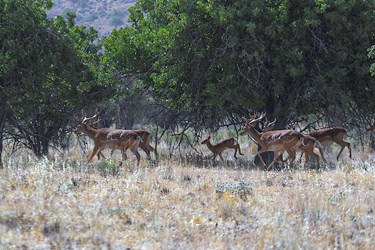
column 108, row 167
column 371, row 54
column 215, row 59
column 47, row 66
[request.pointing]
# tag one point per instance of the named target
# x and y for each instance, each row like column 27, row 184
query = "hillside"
column 103, row 15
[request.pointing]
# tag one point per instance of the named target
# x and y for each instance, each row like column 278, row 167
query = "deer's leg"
column 134, row 148
column 123, row 153
column 291, row 154
column 143, row 146
column 137, row 155
column 310, row 152
column 214, row 157
column 100, row 154
column 306, row 157
column 94, row 152
column 343, row 145
column 235, row 152
column 342, row 148
column 221, row 157
column 112, row 151
column 350, row 149
column 322, row 155
column 239, row 149
column 303, row 153
column 280, row 154
column 276, row 155
column 262, row 150
column 317, row 158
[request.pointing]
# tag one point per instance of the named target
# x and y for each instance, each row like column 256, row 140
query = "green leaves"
column 226, row 57
column 48, row 68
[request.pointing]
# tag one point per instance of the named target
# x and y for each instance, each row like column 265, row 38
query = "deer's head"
column 85, row 122
column 205, row 141
column 251, row 122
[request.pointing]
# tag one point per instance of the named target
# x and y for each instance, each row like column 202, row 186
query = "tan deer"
column 372, row 128
column 276, row 141
column 110, row 138
column 145, row 136
column 309, row 141
column 219, row 148
column 327, row 136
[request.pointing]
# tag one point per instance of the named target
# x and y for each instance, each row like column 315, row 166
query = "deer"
column 145, row 137
column 276, row 141
column 327, row 136
column 372, row 128
column 219, row 148
column 309, row 141
column 110, row 138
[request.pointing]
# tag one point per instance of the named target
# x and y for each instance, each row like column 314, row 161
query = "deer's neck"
column 255, row 134
column 90, row 132
column 210, row 146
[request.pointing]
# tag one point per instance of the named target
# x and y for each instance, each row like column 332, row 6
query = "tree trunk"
column 2, row 122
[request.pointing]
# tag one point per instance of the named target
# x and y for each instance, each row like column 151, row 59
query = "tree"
column 214, row 60
column 269, row 55
column 46, row 70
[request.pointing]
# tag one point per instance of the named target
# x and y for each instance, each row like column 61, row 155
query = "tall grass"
column 62, row 202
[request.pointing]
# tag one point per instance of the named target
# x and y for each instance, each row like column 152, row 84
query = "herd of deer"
column 114, row 138
column 277, row 141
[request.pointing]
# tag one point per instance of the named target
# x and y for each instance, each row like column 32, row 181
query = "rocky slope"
column 103, row 15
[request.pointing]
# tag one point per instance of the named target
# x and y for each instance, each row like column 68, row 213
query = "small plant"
column 65, row 187
column 240, row 189
column 164, row 191
column 108, row 167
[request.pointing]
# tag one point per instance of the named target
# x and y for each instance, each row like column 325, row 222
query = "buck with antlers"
column 275, row 140
column 145, row 137
column 109, row 138
column 219, row 148
column 327, row 136
column 309, row 141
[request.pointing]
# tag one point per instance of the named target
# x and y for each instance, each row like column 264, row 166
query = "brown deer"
column 309, row 141
column 275, row 140
column 145, row 136
column 327, row 136
column 219, row 148
column 372, row 128
column 110, row 138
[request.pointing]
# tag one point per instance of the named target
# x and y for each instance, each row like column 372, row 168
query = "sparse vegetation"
column 184, row 71
column 60, row 203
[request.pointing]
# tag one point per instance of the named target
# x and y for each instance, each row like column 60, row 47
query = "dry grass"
column 65, row 203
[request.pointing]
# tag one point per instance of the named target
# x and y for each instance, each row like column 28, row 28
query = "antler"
column 252, row 117
column 91, row 120
column 272, row 123
column 262, row 115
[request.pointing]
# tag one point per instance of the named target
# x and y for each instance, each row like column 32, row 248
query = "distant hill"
column 103, row 15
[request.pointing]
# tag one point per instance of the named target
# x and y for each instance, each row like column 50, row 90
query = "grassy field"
column 61, row 202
